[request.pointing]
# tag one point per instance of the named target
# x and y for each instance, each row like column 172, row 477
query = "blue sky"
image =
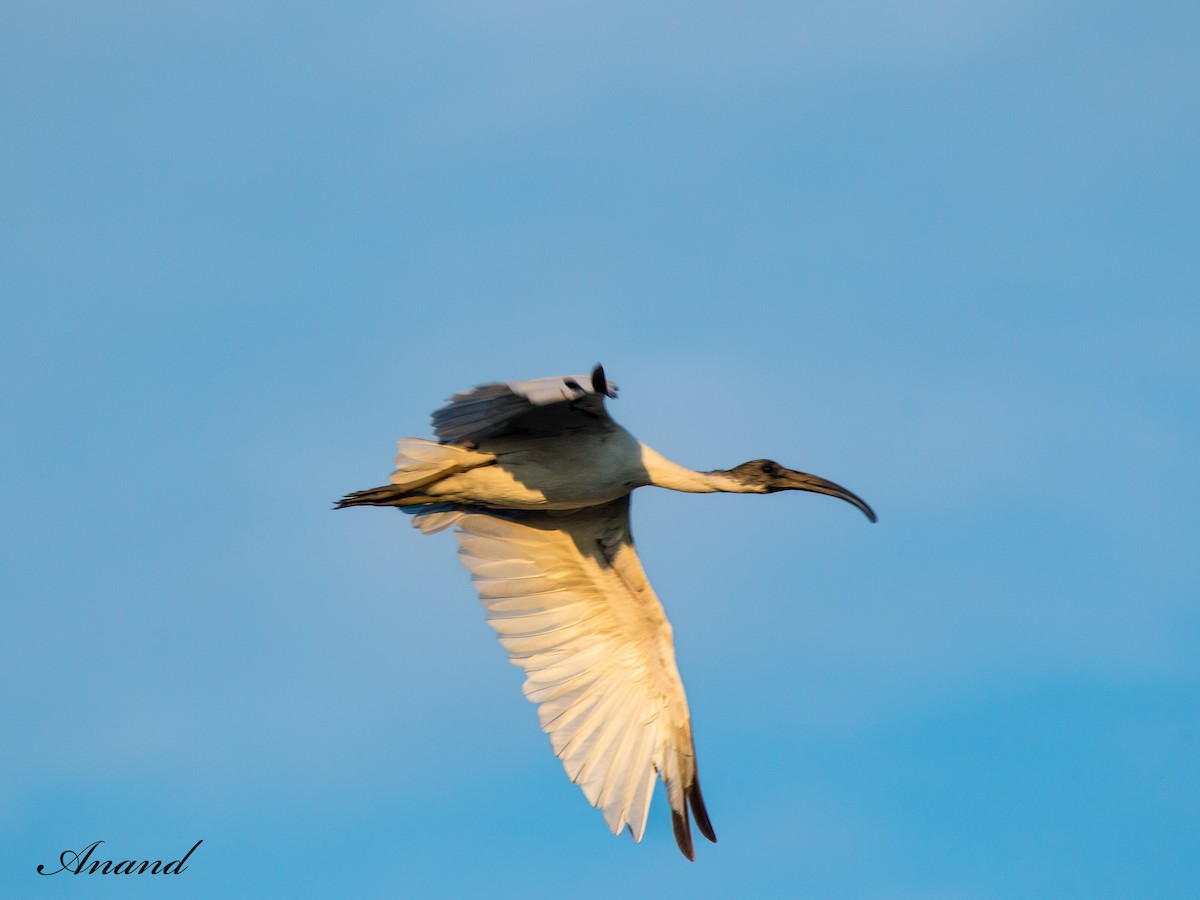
column 944, row 254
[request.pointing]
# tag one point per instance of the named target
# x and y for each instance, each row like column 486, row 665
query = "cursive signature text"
column 75, row 861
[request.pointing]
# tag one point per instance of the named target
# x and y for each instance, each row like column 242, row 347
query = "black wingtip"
column 600, row 382
column 683, row 832
column 696, row 799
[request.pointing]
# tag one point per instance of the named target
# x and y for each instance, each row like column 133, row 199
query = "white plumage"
column 535, row 478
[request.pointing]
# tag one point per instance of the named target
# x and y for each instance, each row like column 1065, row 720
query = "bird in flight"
column 535, row 478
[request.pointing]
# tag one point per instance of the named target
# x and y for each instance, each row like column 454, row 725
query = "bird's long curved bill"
column 802, row 481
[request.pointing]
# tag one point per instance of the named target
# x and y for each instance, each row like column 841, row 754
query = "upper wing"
column 539, row 405
column 570, row 602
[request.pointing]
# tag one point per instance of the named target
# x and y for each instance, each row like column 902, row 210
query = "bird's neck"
column 666, row 474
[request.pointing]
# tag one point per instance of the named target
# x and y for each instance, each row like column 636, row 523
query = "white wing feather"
column 569, row 601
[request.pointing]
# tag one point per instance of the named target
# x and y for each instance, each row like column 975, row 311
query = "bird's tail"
column 418, row 464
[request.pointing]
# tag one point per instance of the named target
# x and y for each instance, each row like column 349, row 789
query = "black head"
column 765, row 476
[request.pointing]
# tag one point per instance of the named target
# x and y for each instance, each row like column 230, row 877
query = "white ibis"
column 535, row 477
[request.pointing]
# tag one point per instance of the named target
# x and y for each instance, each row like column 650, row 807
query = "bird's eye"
column 769, row 468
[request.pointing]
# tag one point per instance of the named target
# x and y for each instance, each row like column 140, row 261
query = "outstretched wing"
column 537, row 406
column 569, row 601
